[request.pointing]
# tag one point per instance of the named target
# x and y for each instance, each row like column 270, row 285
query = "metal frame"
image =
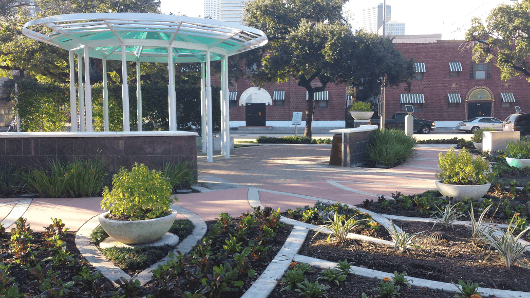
column 144, row 37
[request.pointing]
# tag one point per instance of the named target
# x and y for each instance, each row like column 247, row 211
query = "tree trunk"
column 309, row 113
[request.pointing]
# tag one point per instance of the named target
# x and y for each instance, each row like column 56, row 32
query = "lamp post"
column 382, row 97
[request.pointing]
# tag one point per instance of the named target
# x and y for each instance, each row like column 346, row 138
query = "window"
column 453, row 105
column 278, row 97
column 480, row 71
column 321, row 103
column 232, row 98
column 454, row 69
column 416, row 107
column 419, row 70
column 279, row 102
column 454, row 73
column 506, row 104
column 418, row 76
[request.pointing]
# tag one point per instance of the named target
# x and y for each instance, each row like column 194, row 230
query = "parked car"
column 518, row 122
column 476, row 123
column 398, row 122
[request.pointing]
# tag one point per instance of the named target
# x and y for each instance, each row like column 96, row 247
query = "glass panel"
column 480, row 75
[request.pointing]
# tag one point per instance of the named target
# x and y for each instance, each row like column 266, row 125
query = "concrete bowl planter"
column 518, row 162
column 357, row 115
column 459, row 192
column 138, row 231
column 478, row 146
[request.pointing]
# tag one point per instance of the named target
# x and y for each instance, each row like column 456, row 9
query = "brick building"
column 448, row 87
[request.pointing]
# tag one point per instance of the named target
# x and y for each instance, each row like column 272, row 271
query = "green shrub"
column 463, row 169
column 361, row 106
column 477, row 135
column 11, row 179
column 291, row 140
column 519, row 149
column 138, row 194
column 180, row 175
column 77, row 178
column 389, row 148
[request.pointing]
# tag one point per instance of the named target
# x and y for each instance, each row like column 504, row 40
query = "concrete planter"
column 138, row 231
column 518, row 162
column 361, row 115
column 459, row 192
column 478, row 146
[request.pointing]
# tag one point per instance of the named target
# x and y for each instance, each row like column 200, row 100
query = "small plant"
column 463, row 169
column 339, row 226
column 466, row 289
column 361, row 106
column 389, row 148
column 21, row 237
column 387, row 288
column 520, row 149
column 507, row 245
column 477, row 134
column 138, row 194
column 180, row 175
column 311, row 289
column 98, row 235
column 448, row 215
column 295, row 276
column 477, row 226
column 344, row 266
column 334, row 275
column 402, row 240
column 400, row 280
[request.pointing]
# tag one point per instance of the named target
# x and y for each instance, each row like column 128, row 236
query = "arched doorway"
column 255, row 101
column 479, row 103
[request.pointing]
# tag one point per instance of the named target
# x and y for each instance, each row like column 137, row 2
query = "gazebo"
column 144, row 37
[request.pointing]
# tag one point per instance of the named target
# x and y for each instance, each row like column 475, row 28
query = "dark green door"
column 478, row 109
column 255, row 114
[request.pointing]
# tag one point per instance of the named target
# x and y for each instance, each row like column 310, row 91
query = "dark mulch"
column 444, row 254
column 354, row 286
column 27, row 282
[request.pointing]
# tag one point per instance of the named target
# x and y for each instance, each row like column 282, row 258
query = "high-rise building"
column 225, row 10
column 211, row 9
column 373, row 18
column 393, row 28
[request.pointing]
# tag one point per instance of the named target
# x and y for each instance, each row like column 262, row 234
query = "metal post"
column 80, row 93
column 139, row 96
column 88, row 92
column 209, row 109
column 226, row 134
column 222, row 105
column 105, row 97
column 125, row 90
column 171, row 92
column 18, row 112
column 203, row 108
column 73, row 104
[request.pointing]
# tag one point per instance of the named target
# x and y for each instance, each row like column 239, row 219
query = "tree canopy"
column 504, row 37
column 310, row 41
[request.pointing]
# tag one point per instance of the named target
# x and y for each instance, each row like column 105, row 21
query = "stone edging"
column 90, row 252
column 418, row 282
column 16, row 212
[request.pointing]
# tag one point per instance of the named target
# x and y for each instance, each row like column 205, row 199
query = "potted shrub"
column 361, row 110
column 477, row 137
column 139, row 206
column 462, row 176
column 518, row 153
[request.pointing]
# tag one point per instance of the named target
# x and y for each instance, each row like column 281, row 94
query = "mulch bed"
column 444, row 254
column 354, row 286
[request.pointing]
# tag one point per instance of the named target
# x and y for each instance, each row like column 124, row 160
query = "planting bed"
column 443, row 254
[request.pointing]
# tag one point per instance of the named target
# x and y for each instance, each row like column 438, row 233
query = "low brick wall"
column 154, row 149
column 354, row 144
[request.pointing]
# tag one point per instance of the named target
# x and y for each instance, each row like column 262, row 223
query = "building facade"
column 211, row 9
column 373, row 18
column 225, row 10
column 448, row 87
column 394, row 28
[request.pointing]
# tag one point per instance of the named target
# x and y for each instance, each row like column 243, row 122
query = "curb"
column 18, row 211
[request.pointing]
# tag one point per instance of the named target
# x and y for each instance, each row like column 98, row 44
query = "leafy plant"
column 507, row 245
column 448, row 215
column 180, row 175
column 361, row 106
column 400, row 279
column 520, row 149
column 311, row 289
column 466, row 289
column 389, row 148
column 20, row 245
column 402, row 240
column 138, row 194
column 182, row 228
column 477, row 134
column 477, row 226
column 339, row 227
column 11, row 179
column 98, row 235
column 463, row 169
column 138, row 257
column 344, row 266
column 387, row 288
column 295, row 276
column 334, row 275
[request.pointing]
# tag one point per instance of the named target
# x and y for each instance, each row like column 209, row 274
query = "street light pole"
column 382, row 96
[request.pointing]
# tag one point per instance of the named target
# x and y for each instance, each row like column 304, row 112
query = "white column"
column 105, row 97
column 125, row 90
column 81, row 93
column 209, row 110
column 88, row 92
column 139, row 96
column 226, row 133
column 172, row 101
column 73, row 104
column 203, row 108
column 18, row 112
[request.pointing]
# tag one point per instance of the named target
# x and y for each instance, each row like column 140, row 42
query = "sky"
column 451, row 18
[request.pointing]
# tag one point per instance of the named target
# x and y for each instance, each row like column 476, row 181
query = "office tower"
column 393, row 28
column 225, row 10
column 373, row 18
column 211, row 9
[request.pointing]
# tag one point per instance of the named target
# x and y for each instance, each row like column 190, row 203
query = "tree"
column 310, row 41
column 504, row 38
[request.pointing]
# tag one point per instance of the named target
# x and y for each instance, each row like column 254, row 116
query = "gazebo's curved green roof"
column 146, row 36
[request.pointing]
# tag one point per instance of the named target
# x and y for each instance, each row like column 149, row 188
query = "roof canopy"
column 146, row 36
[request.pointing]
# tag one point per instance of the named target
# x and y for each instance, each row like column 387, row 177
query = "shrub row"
column 389, row 148
column 291, row 140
